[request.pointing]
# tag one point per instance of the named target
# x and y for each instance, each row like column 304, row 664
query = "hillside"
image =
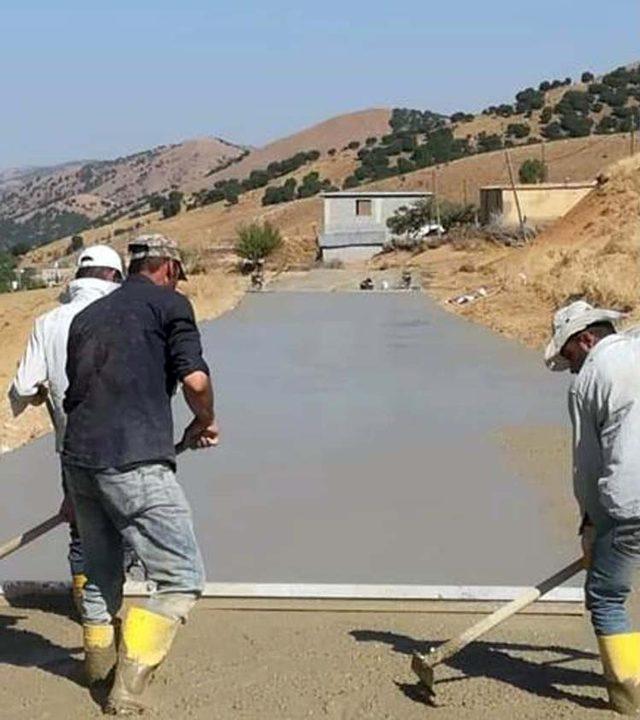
column 335, row 133
column 38, row 204
column 592, row 252
column 372, row 145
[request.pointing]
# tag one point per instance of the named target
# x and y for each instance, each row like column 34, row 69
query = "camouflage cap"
column 156, row 245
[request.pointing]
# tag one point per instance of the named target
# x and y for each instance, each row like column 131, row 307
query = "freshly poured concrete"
column 360, row 443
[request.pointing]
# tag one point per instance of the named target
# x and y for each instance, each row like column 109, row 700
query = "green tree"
column 172, row 204
column 532, row 171
column 257, row 241
column 410, row 219
column 7, row 270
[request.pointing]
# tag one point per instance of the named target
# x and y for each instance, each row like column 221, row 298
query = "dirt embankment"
column 592, row 252
column 212, row 294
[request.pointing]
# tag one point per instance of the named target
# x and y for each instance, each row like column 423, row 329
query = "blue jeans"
column 145, row 508
column 615, row 557
column 75, row 555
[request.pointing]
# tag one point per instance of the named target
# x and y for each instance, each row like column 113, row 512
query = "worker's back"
column 125, row 356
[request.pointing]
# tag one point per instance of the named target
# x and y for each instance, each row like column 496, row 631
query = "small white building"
column 355, row 222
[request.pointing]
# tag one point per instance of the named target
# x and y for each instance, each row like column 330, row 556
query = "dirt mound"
column 593, row 252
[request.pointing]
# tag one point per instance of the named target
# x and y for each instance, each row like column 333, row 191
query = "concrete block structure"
column 355, row 223
column 540, row 203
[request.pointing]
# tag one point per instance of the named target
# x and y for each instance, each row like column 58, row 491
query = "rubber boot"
column 99, row 652
column 621, row 663
column 146, row 640
column 77, row 588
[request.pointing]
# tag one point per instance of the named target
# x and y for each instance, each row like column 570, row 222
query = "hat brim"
column 553, row 357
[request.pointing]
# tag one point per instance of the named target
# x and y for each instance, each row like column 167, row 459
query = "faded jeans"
column 145, row 508
column 615, row 558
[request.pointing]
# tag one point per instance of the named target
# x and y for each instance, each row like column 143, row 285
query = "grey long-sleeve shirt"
column 604, row 405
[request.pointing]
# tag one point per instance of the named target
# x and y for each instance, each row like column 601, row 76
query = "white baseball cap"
column 570, row 320
column 100, row 256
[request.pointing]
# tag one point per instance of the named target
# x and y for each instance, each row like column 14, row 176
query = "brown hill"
column 208, row 229
column 334, row 133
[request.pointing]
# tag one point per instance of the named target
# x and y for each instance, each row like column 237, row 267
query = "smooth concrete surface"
column 358, row 446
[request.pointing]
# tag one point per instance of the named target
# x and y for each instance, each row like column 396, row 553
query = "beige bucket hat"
column 570, row 320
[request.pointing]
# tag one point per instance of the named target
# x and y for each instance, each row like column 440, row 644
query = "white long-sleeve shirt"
column 45, row 358
column 604, row 404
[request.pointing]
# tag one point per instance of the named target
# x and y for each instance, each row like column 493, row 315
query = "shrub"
column 77, row 243
column 518, row 130
column 256, row 242
column 371, row 141
column 576, row 125
column 7, row 267
column 409, row 219
column 607, row 124
column 586, row 77
column 353, row 145
column 552, row 131
column 350, row 182
column 172, row 205
column 331, row 152
column 529, row 99
column 546, row 114
column 532, row 171
column 487, row 143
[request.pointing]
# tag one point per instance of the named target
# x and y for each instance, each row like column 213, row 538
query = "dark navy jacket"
column 125, row 355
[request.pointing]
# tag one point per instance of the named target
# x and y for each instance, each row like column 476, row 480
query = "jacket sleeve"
column 586, row 449
column 183, row 339
column 32, row 370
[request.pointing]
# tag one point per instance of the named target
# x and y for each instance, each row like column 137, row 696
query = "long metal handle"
column 483, row 626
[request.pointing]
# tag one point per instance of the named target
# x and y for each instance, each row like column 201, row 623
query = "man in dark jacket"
column 126, row 355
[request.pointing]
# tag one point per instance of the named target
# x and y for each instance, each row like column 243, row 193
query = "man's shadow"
column 498, row 661
column 25, row 648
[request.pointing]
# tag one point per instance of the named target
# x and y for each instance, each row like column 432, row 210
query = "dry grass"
column 593, row 252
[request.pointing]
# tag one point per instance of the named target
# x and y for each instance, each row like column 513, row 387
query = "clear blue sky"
column 87, row 79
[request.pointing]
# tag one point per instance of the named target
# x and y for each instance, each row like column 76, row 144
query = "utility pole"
column 543, row 153
column 465, row 194
column 632, row 136
column 434, row 185
column 515, row 195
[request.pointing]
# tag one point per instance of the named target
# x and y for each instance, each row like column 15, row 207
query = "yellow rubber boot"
column 146, row 640
column 99, row 652
column 77, row 590
column 621, row 663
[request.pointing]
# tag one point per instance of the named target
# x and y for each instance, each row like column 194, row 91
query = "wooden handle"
column 49, row 524
column 32, row 534
column 483, row 626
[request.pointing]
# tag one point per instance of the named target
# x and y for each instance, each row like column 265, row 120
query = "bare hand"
column 197, row 435
column 40, row 396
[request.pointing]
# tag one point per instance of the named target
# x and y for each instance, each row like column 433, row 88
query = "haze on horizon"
column 99, row 82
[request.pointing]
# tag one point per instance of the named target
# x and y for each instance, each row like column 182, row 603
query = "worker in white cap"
column 41, row 374
column 604, row 404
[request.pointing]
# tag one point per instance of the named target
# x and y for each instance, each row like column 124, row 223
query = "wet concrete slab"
column 360, row 444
